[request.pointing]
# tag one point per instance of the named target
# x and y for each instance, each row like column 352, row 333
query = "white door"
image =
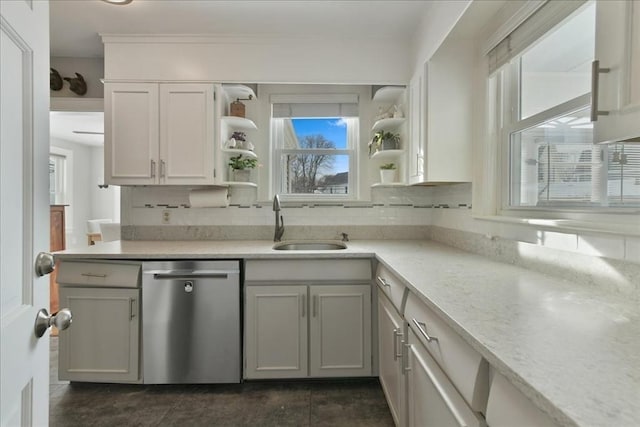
column 186, row 135
column 24, row 209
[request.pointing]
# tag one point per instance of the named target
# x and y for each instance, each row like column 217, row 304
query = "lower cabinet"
column 103, row 341
column 433, row 401
column 390, row 345
column 298, row 331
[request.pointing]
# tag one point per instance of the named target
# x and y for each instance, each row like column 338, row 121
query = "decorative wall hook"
column 55, row 80
column 78, row 85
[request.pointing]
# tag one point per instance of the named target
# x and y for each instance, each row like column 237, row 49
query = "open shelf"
column 388, row 94
column 239, row 123
column 240, row 184
column 391, row 123
column 391, row 184
column 386, row 154
column 237, row 151
column 235, row 91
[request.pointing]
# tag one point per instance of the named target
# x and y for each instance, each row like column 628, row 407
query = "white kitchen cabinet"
column 433, row 401
column 440, row 112
column 618, row 49
column 102, row 344
column 340, row 330
column 390, row 344
column 276, row 331
column 158, row 133
column 299, row 331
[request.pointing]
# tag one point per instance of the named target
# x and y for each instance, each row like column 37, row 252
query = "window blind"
column 533, row 28
column 313, row 105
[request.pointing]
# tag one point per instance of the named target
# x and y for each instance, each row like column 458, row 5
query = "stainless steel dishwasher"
column 191, row 322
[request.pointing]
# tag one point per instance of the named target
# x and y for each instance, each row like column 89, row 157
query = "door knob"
column 61, row 320
column 45, row 264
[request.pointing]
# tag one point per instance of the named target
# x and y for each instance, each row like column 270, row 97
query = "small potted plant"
column 387, row 173
column 383, row 140
column 241, row 167
column 240, row 139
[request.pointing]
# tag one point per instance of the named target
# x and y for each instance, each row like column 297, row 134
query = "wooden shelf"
column 387, row 154
column 237, row 151
column 239, row 123
column 391, row 123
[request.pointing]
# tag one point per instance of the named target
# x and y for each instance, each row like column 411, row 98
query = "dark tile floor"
column 358, row 402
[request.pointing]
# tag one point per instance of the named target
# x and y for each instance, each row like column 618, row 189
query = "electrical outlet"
column 166, row 217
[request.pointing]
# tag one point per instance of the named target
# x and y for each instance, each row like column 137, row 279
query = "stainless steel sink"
column 302, row 245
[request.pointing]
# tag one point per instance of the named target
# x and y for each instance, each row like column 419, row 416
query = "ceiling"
column 75, row 25
column 62, row 125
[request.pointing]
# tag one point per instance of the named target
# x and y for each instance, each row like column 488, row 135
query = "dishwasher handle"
column 190, row 276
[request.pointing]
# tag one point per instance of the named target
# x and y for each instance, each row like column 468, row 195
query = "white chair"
column 110, row 231
column 93, row 230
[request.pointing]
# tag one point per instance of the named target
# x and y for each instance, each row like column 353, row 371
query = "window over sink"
column 314, row 139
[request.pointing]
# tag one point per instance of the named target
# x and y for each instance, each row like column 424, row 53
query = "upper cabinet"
column 158, row 133
column 440, row 120
column 616, row 86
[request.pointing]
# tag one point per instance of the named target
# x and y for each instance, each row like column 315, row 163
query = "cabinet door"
column 417, row 123
column 618, row 48
column 186, row 134
column 102, row 343
column 276, row 331
column 340, row 330
column 131, row 133
column 433, row 401
column 390, row 358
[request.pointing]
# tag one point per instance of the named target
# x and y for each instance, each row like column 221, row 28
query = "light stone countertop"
column 573, row 350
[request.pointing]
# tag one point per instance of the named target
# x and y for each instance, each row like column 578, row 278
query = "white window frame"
column 502, row 100
column 353, row 136
column 68, row 184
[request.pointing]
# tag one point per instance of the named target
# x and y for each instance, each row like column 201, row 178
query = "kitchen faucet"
column 279, row 230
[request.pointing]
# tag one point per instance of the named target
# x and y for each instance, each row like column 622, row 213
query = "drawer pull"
column 405, row 359
column 93, row 275
column 396, row 334
column 422, row 328
column 382, row 281
column 304, row 305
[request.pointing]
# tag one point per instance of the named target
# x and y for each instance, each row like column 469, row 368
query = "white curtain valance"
column 314, row 105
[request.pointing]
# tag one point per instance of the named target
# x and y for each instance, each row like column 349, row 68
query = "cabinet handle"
column 405, row 359
column 304, row 305
column 396, row 334
column 102, row 276
column 422, row 328
column 315, row 305
column 132, row 310
column 163, row 166
column 153, row 168
column 595, row 88
column 382, row 281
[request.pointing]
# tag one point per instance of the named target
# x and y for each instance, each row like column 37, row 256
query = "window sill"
column 605, row 225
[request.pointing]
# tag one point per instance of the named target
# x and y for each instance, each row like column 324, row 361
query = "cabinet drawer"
column 466, row 368
column 391, row 286
column 508, row 407
column 301, row 270
column 433, row 400
column 113, row 274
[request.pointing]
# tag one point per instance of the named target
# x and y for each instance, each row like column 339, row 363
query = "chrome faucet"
column 279, row 230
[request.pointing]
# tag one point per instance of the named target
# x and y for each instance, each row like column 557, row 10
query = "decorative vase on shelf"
column 387, row 176
column 242, row 175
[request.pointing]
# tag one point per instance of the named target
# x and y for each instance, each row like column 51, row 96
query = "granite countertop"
column 574, row 350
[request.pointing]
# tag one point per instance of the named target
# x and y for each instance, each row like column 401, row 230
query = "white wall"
column 87, row 200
